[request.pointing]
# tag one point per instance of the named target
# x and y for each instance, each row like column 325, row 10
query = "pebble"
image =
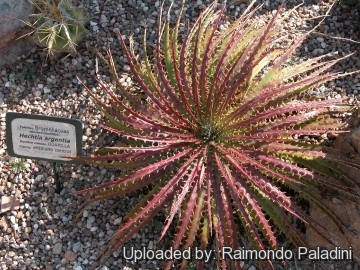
column 57, row 249
column 70, row 256
column 76, row 246
column 46, row 90
column 37, row 93
column 12, row 220
column 91, row 219
column 117, row 221
column 85, row 213
column 126, row 68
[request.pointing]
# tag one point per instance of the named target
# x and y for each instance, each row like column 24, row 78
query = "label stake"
column 58, row 183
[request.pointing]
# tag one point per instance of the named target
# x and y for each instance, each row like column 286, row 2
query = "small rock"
column 117, row 221
column 37, row 93
column 12, row 220
column 46, row 90
column 91, row 219
column 70, row 256
column 103, row 19
column 19, row 215
column 78, row 268
column 57, row 248
column 126, row 67
column 76, row 246
column 88, row 132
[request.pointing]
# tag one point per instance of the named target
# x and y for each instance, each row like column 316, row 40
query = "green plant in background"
column 17, row 165
column 28, row 72
column 216, row 142
column 58, row 26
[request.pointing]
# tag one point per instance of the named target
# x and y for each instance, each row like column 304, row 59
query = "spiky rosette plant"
column 216, row 138
column 59, row 26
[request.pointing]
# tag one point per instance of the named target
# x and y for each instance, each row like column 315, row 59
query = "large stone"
column 12, row 13
column 346, row 210
column 348, row 213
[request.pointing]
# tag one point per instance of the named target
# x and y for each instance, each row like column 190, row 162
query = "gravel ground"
column 44, row 233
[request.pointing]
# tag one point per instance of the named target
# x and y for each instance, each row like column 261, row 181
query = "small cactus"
column 58, row 26
column 18, row 165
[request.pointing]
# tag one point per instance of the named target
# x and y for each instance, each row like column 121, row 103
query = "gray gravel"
column 42, row 234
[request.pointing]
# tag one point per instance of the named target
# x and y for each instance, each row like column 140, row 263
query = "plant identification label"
column 43, row 137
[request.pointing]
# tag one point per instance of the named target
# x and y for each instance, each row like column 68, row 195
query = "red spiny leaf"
column 165, row 192
column 279, row 111
column 146, row 171
column 183, row 53
column 186, row 217
column 194, row 72
column 209, row 192
column 177, row 202
column 228, row 217
column 196, row 219
column 103, row 106
column 271, row 91
column 167, row 107
column 273, row 192
column 216, row 77
column 145, row 152
column 246, row 63
column 291, row 120
column 300, row 172
column 238, row 195
column 194, row 225
column 168, row 88
column 244, row 193
column 129, row 187
column 217, row 218
column 147, row 116
column 185, row 96
column 286, row 132
column 206, row 55
column 177, row 136
column 242, row 158
column 122, row 236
